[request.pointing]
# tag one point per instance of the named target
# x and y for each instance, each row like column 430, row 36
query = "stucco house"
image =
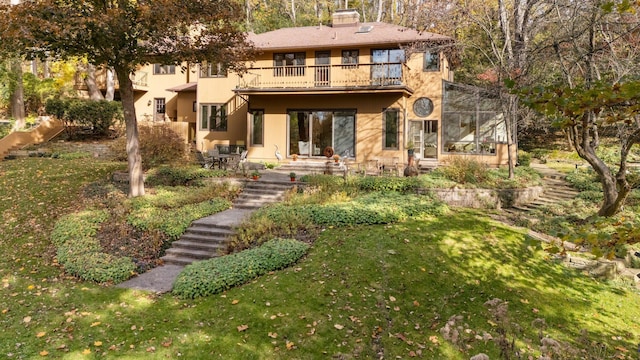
column 365, row 90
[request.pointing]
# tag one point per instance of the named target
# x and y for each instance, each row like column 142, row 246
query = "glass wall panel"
column 257, row 127
column 310, row 132
column 344, row 130
column 472, row 121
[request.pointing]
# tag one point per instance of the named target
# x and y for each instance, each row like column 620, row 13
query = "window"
column 159, row 69
column 213, row 117
column 312, row 131
column 387, row 66
column 289, row 64
column 257, row 127
column 212, row 70
column 391, row 125
column 431, row 61
column 472, row 121
column 350, row 57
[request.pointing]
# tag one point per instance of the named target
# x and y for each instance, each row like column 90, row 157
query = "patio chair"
column 214, row 155
column 371, row 167
column 391, row 166
column 236, row 163
column 204, row 160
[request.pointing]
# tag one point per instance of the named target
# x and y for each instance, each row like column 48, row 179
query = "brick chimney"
column 346, row 17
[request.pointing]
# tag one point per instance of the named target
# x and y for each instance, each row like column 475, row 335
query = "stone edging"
column 486, row 198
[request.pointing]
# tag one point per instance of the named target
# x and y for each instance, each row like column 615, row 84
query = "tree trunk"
column 17, row 97
column 380, row 8
column 90, row 81
column 111, row 86
column 134, row 159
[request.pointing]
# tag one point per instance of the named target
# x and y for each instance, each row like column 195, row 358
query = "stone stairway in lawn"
column 207, row 237
column 556, row 190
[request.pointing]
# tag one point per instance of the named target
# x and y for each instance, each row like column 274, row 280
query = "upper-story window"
column 212, row 70
column 387, row 66
column 159, row 69
column 350, row 57
column 289, row 64
column 431, row 61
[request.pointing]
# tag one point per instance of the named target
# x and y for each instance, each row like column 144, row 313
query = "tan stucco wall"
column 219, row 90
column 157, row 86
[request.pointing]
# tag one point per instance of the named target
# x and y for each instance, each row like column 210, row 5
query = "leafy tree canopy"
column 123, row 34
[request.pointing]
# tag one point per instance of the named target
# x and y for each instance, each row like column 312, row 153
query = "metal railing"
column 324, row 76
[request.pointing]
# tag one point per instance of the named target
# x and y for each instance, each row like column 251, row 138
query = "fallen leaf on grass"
column 243, row 327
column 235, row 301
column 338, row 326
column 434, row 339
column 86, row 352
column 41, row 334
column 44, row 353
column 290, row 345
column 26, row 319
column 97, row 343
column 392, row 299
column 95, row 323
column 167, row 343
column 273, row 335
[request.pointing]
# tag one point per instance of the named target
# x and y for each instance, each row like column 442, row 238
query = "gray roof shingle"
column 319, row 37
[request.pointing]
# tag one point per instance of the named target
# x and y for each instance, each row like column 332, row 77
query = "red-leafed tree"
column 124, row 34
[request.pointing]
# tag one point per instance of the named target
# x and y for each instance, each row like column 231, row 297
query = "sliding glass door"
column 311, row 132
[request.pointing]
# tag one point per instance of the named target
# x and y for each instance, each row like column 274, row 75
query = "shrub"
column 524, row 158
column 216, row 275
column 78, row 226
column 180, row 175
column 388, row 183
column 278, row 220
column 303, row 219
column 99, row 267
column 464, row 170
column 584, row 180
column 80, row 252
column 540, row 154
column 174, row 221
column 159, row 145
column 99, row 115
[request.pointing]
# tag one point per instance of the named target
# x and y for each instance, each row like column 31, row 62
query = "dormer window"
column 212, row 70
column 431, row 61
column 159, row 69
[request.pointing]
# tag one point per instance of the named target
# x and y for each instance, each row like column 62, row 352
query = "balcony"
column 139, row 80
column 357, row 78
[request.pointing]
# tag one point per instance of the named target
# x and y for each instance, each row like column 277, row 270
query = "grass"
column 361, row 292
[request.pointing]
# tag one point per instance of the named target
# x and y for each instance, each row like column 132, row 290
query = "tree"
column 122, row 35
column 596, row 50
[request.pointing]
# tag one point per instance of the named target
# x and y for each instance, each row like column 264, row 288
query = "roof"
column 188, row 87
column 359, row 34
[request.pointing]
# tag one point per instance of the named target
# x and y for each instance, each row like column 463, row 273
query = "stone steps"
column 556, row 190
column 207, row 238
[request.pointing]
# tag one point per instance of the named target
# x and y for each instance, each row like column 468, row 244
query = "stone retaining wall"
column 486, row 198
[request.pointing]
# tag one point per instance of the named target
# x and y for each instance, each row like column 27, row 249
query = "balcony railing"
column 139, row 79
column 324, row 76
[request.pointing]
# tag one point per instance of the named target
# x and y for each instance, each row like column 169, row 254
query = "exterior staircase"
column 44, row 132
column 207, row 237
column 556, row 190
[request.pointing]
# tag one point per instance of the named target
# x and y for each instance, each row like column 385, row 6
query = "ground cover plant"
column 367, row 291
column 574, row 220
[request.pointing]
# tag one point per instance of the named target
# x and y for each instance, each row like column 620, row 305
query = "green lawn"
column 363, row 292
